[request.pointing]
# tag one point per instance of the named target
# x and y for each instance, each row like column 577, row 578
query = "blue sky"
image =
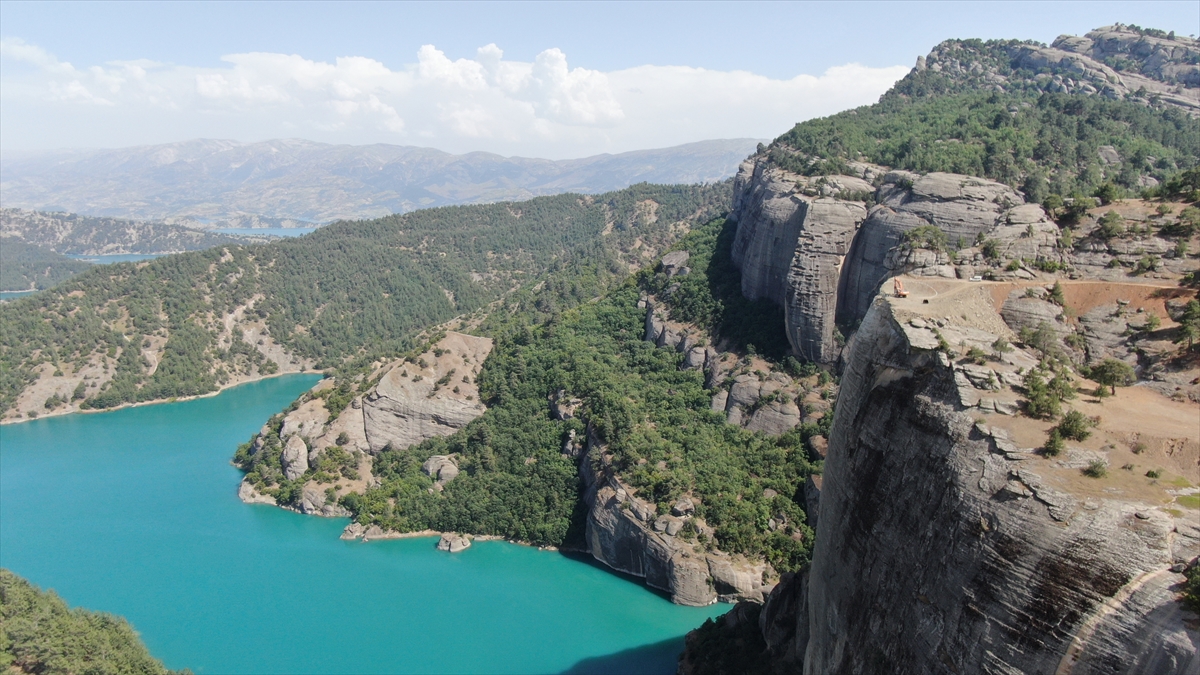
column 566, row 79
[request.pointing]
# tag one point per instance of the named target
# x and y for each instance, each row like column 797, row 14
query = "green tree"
column 1113, row 373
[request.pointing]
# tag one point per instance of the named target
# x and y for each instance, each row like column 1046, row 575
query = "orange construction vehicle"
column 899, row 288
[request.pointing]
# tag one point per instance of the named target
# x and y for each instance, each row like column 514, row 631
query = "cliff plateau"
column 944, row 545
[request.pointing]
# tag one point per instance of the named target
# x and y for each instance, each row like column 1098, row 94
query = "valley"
column 918, row 390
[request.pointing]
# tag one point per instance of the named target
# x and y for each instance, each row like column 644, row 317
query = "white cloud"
column 544, row 108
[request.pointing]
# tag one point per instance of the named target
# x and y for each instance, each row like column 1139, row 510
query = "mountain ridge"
column 293, row 182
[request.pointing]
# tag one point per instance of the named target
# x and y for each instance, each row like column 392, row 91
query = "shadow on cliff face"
column 658, row 658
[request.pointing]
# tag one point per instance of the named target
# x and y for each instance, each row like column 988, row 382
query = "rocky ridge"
column 298, row 183
column 1117, row 62
column 68, row 233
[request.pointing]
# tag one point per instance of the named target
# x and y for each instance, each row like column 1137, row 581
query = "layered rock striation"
column 432, row 395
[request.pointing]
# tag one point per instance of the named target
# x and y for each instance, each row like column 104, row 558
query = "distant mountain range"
column 295, row 182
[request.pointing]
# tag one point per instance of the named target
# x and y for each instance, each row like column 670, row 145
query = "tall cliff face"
column 822, row 258
column 791, row 241
column 943, row 547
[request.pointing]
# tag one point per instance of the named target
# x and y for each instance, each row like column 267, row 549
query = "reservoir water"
column 135, row 512
column 265, row 231
column 115, row 257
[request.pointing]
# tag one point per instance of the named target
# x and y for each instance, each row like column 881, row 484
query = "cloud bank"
column 545, row 108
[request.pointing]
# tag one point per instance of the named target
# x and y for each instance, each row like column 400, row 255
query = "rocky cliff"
column 823, row 258
column 946, row 544
column 626, row 533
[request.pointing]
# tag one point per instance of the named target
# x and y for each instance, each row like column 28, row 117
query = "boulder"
column 694, row 360
column 683, row 507
column 735, row 578
column 353, row 531
column 744, row 392
column 453, row 542
column 441, row 468
column 720, row 401
column 1022, row 312
column 654, row 325
column 674, row 262
column 775, row 419
column 313, row 503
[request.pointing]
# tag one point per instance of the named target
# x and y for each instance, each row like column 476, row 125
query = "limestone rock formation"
column 960, row 206
column 790, row 248
column 675, row 263
column 249, row 495
column 441, row 468
column 823, row 258
column 413, row 402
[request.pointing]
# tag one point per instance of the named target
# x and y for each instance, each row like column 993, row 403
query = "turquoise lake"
column 135, row 512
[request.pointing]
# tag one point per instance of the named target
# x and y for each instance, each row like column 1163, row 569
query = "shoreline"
column 258, row 378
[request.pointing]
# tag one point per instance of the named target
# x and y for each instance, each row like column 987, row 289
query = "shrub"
column 991, row 249
column 1108, row 193
column 1191, row 588
column 926, row 236
column 1056, row 294
column 1096, row 469
column 1111, row 372
column 1001, row 347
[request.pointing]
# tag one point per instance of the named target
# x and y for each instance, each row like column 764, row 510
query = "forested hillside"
column 164, row 328
column 654, row 417
column 24, row 266
column 40, row 634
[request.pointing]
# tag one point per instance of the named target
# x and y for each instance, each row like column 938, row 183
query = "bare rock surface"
column 412, row 403
column 295, row 458
column 625, row 533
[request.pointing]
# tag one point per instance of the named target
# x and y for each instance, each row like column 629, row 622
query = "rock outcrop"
column 294, row 458
column 433, row 395
column 823, row 258
column 750, row 398
column 453, row 542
